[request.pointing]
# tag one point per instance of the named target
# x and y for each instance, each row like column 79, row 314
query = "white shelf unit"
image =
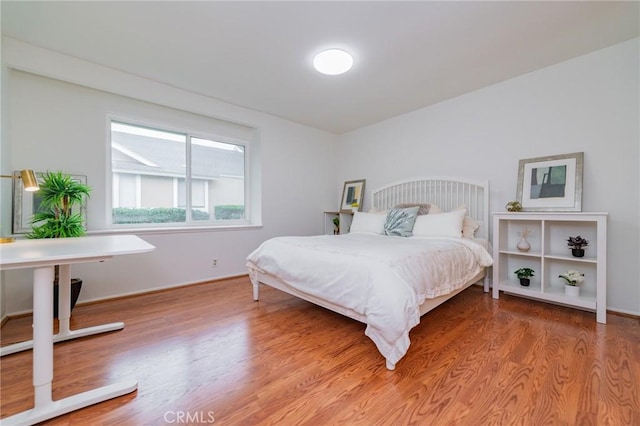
column 550, row 256
column 345, row 222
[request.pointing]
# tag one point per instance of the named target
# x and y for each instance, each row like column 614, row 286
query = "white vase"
column 571, row 290
column 523, row 245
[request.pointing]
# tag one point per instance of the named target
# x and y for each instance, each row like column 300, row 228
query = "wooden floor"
column 209, row 354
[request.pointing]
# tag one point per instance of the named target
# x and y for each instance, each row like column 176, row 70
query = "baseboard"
column 623, row 313
column 134, row 294
column 6, row 318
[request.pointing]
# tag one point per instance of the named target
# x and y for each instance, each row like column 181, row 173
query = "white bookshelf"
column 550, row 256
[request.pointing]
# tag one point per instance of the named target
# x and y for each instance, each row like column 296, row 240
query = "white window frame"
column 189, row 223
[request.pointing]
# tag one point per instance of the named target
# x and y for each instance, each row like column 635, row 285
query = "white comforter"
column 384, row 279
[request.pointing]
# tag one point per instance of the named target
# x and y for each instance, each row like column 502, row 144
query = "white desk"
column 42, row 256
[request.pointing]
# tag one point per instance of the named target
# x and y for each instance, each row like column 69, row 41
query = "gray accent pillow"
column 400, row 221
column 422, row 208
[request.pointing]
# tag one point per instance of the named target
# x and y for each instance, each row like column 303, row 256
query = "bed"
column 388, row 282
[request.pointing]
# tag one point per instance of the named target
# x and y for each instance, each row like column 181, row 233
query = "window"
column 165, row 177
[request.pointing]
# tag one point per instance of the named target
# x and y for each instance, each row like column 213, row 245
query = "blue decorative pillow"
column 400, row 221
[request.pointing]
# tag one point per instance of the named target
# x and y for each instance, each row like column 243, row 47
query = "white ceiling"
column 258, row 54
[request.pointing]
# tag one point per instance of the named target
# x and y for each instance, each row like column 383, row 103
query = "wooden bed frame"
column 447, row 193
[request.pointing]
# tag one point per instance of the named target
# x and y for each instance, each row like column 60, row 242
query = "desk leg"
column 64, row 331
column 64, row 313
column 42, row 336
column 44, row 407
column 64, row 297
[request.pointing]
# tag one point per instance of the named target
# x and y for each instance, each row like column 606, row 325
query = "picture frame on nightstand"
column 352, row 193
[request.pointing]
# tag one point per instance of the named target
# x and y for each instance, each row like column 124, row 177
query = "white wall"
column 5, row 184
column 587, row 104
column 59, row 123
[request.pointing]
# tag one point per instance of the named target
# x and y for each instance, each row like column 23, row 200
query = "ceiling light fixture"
column 333, row 62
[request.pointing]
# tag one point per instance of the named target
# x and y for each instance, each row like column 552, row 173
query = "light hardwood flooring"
column 209, row 354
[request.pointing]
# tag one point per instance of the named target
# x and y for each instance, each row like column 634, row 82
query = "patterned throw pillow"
column 400, row 221
column 422, row 208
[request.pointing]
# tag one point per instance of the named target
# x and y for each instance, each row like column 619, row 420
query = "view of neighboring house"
column 149, row 169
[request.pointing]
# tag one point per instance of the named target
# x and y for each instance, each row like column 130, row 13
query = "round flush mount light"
column 333, row 62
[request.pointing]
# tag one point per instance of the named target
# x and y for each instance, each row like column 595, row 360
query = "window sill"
column 174, row 229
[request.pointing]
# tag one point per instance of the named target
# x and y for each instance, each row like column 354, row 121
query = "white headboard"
column 447, row 193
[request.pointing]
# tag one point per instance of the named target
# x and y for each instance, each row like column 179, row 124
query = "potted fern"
column 58, row 216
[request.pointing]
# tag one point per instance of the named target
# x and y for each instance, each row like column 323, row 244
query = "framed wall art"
column 551, row 184
column 352, row 194
column 25, row 204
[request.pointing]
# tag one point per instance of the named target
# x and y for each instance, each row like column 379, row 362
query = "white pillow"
column 368, row 222
column 469, row 226
column 439, row 225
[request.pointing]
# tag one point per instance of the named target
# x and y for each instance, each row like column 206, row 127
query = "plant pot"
column 572, row 290
column 76, row 286
column 525, row 282
column 577, row 252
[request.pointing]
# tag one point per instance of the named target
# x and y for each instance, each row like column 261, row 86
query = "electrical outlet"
column 214, row 263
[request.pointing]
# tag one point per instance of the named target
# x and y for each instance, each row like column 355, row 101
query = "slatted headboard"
column 447, row 193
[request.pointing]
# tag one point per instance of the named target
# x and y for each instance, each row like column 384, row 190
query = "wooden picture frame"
column 551, row 184
column 25, row 203
column 353, row 192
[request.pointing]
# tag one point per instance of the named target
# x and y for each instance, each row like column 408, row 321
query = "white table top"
column 59, row 251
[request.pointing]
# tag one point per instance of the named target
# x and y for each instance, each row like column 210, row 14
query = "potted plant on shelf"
column 58, row 216
column 577, row 245
column 572, row 279
column 336, row 225
column 524, row 275
column 513, row 206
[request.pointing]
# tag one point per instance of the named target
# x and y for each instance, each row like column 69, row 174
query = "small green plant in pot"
column 58, row 216
column 572, row 278
column 524, row 275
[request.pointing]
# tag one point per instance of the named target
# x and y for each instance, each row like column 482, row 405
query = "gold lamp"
column 29, row 183
column 29, row 180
